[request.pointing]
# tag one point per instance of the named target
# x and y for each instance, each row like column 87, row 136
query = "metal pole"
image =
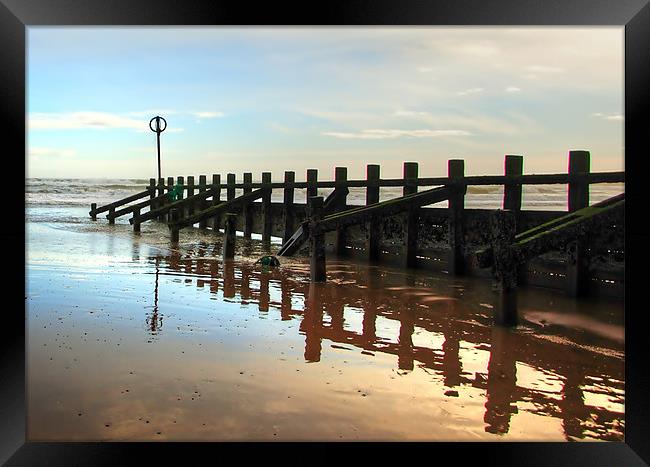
column 158, row 129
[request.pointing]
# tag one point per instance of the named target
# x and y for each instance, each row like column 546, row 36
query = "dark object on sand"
column 268, row 261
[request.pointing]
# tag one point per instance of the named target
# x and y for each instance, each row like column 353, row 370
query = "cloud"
column 613, row 117
column 424, row 69
column 51, row 152
column 391, row 134
column 470, row 91
column 80, row 120
column 512, row 89
column 208, row 114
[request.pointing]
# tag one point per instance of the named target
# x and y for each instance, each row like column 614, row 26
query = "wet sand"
column 129, row 339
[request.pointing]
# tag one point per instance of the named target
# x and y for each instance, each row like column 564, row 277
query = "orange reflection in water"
column 355, row 325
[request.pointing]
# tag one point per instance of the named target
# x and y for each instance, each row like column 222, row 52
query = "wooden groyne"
column 583, row 258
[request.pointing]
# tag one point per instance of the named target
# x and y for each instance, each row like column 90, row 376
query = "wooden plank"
column 317, row 266
column 216, row 199
column 340, row 177
column 505, row 271
column 514, row 166
column 289, row 214
column 383, row 209
column 180, row 180
column 180, row 205
column 372, row 197
column 267, row 218
column 230, row 188
column 133, row 207
column 248, row 214
column 577, row 280
column 201, row 202
column 230, row 236
column 128, row 199
column 136, row 225
column 207, row 213
column 312, row 181
column 456, row 258
column 410, row 172
column 93, row 208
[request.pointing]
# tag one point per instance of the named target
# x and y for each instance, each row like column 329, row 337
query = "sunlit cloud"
column 613, row 117
column 512, row 89
column 391, row 134
column 208, row 114
column 83, row 120
column 470, row 91
column 51, row 152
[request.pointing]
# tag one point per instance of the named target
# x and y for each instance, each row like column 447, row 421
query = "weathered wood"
column 93, row 208
column 340, row 177
column 207, row 213
column 577, row 283
column 266, row 207
column 128, row 199
column 312, row 183
column 111, row 216
column 180, row 205
column 161, row 199
column 170, row 184
column 230, row 229
column 152, row 188
column 216, row 199
column 174, row 215
column 289, row 214
column 372, row 197
column 248, row 213
column 456, row 238
column 136, row 225
column 384, row 208
column 201, row 202
column 180, row 180
column 505, row 271
column 189, row 208
column 514, row 166
column 410, row 171
column 317, row 271
column 131, row 208
column 230, row 188
column 559, row 232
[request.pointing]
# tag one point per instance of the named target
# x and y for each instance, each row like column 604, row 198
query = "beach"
column 132, row 338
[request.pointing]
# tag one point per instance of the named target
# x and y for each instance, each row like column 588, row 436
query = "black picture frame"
column 17, row 15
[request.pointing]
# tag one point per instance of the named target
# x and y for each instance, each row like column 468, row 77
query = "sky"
column 250, row 99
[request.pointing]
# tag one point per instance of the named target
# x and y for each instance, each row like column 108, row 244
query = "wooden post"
column 216, row 199
column 136, row 224
column 189, row 210
column 266, row 207
column 410, row 171
column 181, row 181
column 312, row 180
column 248, row 214
column 456, row 262
column 161, row 191
column 170, row 184
column 372, row 197
column 202, row 187
column 230, row 189
column 289, row 217
column 93, row 206
column 505, row 271
column 111, row 213
column 340, row 178
column 316, row 242
column 514, row 166
column 174, row 214
column 577, row 280
column 229, row 237
column 152, row 192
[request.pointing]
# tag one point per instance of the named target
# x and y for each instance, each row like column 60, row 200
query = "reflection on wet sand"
column 200, row 349
column 364, row 288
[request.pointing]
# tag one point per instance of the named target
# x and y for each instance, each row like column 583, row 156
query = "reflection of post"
column 573, row 405
column 451, row 365
column 285, row 307
column 264, row 292
column 245, row 288
column 369, row 321
column 155, row 321
column 405, row 355
column 501, row 384
column 335, row 308
column 312, row 322
column 228, row 279
column 214, row 280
